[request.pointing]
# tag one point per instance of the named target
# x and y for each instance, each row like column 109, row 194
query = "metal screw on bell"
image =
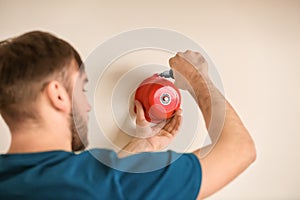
column 159, row 97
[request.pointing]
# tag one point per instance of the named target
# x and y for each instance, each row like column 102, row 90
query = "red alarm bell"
column 159, row 97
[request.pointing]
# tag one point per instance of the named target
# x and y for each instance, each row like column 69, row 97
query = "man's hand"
column 149, row 138
column 189, row 67
column 191, row 73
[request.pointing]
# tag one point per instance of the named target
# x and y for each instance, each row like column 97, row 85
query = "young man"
column 42, row 101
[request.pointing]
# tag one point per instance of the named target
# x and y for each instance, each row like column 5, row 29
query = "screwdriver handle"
column 167, row 74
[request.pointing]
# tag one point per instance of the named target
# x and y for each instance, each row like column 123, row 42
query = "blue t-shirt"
column 99, row 174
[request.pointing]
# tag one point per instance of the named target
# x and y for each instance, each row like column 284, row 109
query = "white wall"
column 254, row 44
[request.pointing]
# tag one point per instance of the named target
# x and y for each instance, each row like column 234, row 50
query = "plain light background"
column 254, row 44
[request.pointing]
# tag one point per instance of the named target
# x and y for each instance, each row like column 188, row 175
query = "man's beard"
column 79, row 131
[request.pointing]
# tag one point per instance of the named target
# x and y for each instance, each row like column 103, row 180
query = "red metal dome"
column 159, row 97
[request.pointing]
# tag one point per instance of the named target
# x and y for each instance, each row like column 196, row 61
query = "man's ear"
column 58, row 96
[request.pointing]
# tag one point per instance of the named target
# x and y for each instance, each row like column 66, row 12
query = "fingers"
column 193, row 57
column 173, row 126
column 140, row 115
column 167, row 128
column 184, row 55
column 188, row 67
column 159, row 126
column 189, row 53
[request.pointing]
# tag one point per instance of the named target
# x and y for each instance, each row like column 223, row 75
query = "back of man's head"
column 27, row 64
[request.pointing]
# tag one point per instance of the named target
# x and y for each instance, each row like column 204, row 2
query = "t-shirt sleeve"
column 180, row 178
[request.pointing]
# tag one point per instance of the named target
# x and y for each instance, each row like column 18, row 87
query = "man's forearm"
column 216, row 110
column 232, row 150
column 206, row 96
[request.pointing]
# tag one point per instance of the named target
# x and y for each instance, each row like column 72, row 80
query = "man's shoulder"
column 55, row 159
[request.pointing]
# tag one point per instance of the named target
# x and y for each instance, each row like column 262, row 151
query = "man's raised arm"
column 233, row 149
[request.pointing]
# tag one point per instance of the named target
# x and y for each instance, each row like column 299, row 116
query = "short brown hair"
column 26, row 64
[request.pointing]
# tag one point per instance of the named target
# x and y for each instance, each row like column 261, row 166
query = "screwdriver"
column 167, row 74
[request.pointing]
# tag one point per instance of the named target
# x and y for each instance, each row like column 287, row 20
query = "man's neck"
column 30, row 140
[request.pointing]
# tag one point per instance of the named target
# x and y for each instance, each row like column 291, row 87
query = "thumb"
column 140, row 115
column 143, row 128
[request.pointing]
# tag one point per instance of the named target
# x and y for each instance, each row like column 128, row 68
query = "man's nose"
column 89, row 107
